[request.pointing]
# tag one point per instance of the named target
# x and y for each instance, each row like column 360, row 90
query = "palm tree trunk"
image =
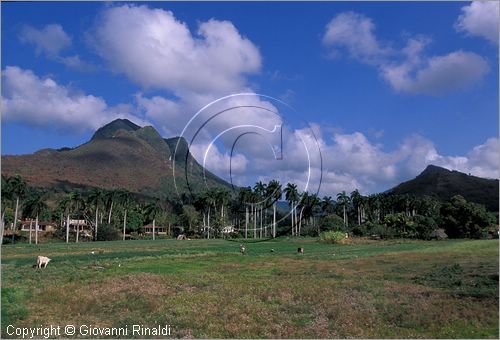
column 154, row 222
column 96, row 222
column 67, row 229
column 110, row 211
column 274, row 220
column 36, row 230
column 260, row 214
column 77, row 229
column 124, row 223
column 15, row 220
column 208, row 225
column 254, row 221
column 246, row 221
column 300, row 220
column 31, row 228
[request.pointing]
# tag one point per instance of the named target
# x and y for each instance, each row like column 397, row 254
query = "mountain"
column 444, row 183
column 120, row 154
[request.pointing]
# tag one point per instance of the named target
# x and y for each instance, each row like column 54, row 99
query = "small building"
column 228, row 229
column 159, row 230
column 42, row 225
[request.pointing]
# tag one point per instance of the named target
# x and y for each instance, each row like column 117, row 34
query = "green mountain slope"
column 443, row 183
column 121, row 154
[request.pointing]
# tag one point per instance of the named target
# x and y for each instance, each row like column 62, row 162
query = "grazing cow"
column 300, row 250
column 181, row 237
column 42, row 261
column 242, row 249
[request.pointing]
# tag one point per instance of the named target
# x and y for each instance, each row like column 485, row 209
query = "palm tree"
column 35, row 206
column 260, row 190
column 17, row 187
column 64, row 205
column 96, row 198
column 244, row 196
column 110, row 198
column 77, row 204
column 328, row 205
column 358, row 201
column 292, row 196
column 124, row 199
column 274, row 192
column 152, row 210
column 343, row 200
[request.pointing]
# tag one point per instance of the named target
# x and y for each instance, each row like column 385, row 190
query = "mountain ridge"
column 120, row 154
column 444, row 184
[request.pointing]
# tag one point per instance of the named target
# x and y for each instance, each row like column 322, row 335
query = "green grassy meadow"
column 207, row 289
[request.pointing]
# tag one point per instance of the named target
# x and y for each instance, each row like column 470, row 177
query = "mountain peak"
column 433, row 169
column 108, row 130
column 444, row 184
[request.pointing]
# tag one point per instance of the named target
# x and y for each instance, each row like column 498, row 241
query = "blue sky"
column 373, row 79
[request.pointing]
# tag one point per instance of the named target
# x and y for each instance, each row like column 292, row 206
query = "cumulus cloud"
column 355, row 33
column 39, row 101
column 351, row 161
column 408, row 69
column 436, row 75
column 480, row 19
column 50, row 40
column 154, row 49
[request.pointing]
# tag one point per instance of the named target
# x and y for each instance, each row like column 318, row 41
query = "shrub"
column 332, row 222
column 107, row 232
column 332, row 236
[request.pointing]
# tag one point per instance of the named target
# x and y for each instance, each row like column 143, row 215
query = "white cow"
column 42, row 261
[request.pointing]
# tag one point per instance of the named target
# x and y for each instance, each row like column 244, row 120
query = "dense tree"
column 463, row 219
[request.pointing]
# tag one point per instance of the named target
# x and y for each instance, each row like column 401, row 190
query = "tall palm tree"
column 124, row 199
column 77, row 203
column 96, row 199
column 292, row 197
column 343, row 200
column 274, row 192
column 110, row 199
column 17, row 187
column 35, row 206
column 328, row 205
column 358, row 202
column 244, row 197
column 152, row 210
column 260, row 190
column 64, row 205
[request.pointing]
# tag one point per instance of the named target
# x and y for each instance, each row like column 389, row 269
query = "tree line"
column 248, row 212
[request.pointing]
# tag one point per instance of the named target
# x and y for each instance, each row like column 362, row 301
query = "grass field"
column 205, row 288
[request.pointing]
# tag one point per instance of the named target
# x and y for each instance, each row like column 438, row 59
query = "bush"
column 107, row 232
column 332, row 222
column 332, row 236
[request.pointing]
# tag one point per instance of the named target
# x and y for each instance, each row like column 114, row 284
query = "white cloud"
column 407, row 69
column 436, row 75
column 480, row 19
column 354, row 32
column 351, row 161
column 50, row 40
column 154, row 49
column 39, row 101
